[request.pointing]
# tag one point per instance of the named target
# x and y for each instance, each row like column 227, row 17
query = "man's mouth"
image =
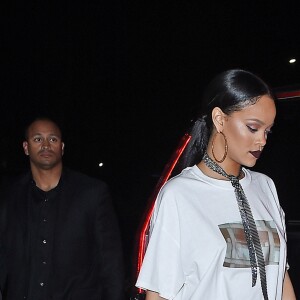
column 256, row 154
column 46, row 153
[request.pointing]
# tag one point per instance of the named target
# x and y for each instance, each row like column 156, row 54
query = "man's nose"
column 45, row 145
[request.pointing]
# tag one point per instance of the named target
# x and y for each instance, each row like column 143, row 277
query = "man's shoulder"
column 13, row 187
column 15, row 181
column 77, row 185
column 79, row 179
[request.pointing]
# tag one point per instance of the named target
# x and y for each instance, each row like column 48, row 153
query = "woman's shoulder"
column 183, row 184
column 258, row 176
column 186, row 176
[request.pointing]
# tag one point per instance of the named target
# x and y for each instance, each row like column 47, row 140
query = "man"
column 58, row 229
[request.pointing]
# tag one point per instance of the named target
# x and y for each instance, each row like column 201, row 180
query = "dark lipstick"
column 256, row 154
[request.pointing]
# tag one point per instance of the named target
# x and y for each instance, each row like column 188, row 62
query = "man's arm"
column 3, row 269
column 110, row 248
column 288, row 290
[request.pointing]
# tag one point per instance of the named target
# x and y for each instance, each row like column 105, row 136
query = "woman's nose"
column 262, row 141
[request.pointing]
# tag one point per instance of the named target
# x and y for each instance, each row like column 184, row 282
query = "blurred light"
column 293, row 60
column 100, row 164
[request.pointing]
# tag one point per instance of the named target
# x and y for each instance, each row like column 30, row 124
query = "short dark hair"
column 231, row 91
column 41, row 118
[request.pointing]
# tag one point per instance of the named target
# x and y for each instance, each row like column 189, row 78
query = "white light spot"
column 100, row 164
column 292, row 60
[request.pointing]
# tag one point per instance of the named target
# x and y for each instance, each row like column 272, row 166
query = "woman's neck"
column 229, row 166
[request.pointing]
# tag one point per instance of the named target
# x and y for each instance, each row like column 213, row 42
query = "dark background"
column 124, row 79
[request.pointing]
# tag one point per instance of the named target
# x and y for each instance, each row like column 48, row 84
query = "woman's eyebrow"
column 259, row 121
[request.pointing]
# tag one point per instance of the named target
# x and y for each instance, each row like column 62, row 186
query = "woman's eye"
column 251, row 129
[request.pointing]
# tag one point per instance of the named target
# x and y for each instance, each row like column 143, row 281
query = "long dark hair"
column 231, row 91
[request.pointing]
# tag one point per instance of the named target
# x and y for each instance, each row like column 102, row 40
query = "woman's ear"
column 218, row 118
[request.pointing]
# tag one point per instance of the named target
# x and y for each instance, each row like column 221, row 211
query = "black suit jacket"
column 86, row 258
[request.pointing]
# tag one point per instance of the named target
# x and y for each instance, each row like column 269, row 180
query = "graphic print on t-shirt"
column 237, row 253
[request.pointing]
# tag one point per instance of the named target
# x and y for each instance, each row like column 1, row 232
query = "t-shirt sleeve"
column 278, row 206
column 281, row 212
column 162, row 266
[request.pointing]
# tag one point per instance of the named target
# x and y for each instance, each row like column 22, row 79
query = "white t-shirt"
column 198, row 249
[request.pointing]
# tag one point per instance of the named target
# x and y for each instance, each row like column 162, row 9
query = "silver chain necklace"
column 252, row 237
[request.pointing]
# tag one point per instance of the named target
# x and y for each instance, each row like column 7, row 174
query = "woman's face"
column 247, row 131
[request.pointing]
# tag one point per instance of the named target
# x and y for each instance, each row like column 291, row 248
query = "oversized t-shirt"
column 198, row 248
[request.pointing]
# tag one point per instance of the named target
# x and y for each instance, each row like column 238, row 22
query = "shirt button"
column 46, row 199
column 44, row 262
column 44, row 242
column 44, row 220
column 41, row 283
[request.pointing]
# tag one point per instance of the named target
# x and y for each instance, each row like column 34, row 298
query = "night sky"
column 124, row 79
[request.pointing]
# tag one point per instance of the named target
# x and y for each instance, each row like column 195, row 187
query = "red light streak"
column 284, row 95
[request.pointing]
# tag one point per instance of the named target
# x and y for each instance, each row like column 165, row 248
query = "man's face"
column 44, row 145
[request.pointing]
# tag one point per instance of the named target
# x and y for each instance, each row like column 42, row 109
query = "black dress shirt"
column 42, row 208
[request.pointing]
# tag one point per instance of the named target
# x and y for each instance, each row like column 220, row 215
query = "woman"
column 219, row 230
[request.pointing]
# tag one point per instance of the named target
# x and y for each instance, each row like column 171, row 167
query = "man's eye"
column 37, row 139
column 53, row 140
column 251, row 129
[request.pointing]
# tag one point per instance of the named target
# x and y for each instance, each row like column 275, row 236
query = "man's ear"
column 62, row 148
column 25, row 147
column 218, row 118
